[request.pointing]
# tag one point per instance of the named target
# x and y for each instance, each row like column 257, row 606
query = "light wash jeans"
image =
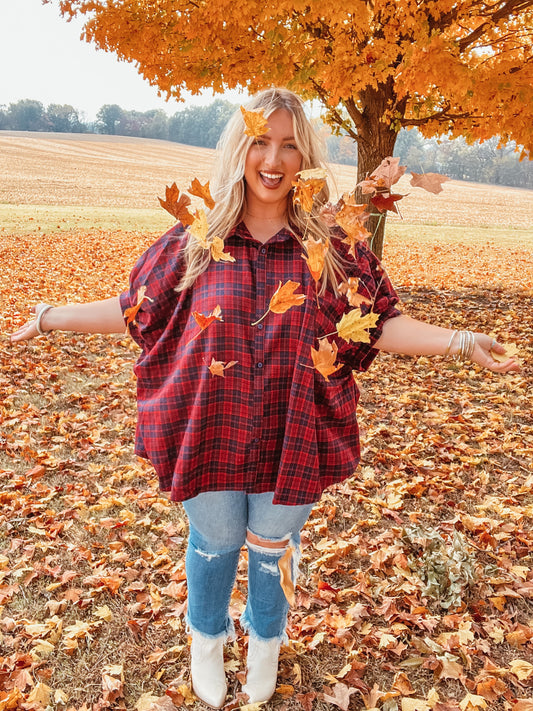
column 218, row 523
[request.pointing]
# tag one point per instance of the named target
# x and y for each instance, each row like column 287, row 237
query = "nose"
column 272, row 156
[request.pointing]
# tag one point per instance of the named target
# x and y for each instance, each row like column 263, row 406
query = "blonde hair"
column 228, row 186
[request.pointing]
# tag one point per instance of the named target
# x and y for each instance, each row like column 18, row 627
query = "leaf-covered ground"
column 416, row 590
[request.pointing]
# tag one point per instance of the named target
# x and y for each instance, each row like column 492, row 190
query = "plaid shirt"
column 272, row 423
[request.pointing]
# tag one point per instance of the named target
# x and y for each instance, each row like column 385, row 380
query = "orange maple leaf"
column 202, row 191
column 131, row 312
column 217, row 367
column 305, row 191
column 350, row 289
column 177, row 205
column 351, row 219
column 204, row 321
column 316, row 254
column 324, row 358
column 283, row 299
column 383, row 201
column 255, row 123
column 432, row 182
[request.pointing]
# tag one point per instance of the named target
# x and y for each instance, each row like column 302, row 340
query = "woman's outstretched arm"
column 94, row 317
column 409, row 336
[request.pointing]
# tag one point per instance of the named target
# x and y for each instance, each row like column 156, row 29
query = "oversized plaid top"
column 272, row 423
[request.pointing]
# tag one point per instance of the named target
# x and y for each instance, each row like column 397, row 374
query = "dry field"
column 120, row 172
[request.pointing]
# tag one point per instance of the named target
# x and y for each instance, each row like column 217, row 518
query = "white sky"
column 43, row 58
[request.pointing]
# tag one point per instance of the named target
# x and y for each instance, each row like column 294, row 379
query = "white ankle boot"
column 207, row 669
column 262, row 669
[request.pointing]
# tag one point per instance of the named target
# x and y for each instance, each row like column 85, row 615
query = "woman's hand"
column 29, row 329
column 482, row 355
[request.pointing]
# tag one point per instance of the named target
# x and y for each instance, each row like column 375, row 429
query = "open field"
column 416, row 586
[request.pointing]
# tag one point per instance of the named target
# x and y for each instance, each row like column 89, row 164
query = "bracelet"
column 447, row 351
column 467, row 343
column 40, row 315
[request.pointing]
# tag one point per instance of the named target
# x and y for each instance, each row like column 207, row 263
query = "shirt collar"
column 240, row 230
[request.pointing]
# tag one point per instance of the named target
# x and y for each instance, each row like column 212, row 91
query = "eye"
column 291, row 146
column 260, row 142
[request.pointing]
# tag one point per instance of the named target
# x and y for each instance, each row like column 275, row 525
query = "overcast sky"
column 43, row 58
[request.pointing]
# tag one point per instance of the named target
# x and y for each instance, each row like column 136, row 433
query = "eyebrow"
column 288, row 138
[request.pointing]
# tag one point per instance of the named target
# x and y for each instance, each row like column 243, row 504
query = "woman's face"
column 271, row 165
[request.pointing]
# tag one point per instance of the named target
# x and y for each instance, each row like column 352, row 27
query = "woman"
column 249, row 453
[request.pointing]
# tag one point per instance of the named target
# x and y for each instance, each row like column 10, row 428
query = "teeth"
column 272, row 176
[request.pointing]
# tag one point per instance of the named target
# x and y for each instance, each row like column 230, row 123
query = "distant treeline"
column 202, row 126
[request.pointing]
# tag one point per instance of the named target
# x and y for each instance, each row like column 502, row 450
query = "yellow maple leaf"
column 310, row 173
column 199, row 228
column 350, row 289
column 324, row 358
column 305, row 191
column 217, row 250
column 521, row 669
column 471, row 702
column 511, row 351
column 355, row 327
column 255, row 123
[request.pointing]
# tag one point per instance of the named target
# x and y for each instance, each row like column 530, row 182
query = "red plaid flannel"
column 272, row 423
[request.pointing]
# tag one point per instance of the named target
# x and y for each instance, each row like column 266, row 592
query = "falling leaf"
column 313, row 173
column 432, row 182
column 199, row 228
column 283, row 299
column 131, row 312
column 204, row 321
column 387, row 173
column 177, row 205
column 286, row 581
column 305, row 191
column 217, row 367
column 217, row 251
column 202, row 191
column 386, row 202
column 316, row 254
column 324, row 358
column 350, row 290
column 355, row 327
column 351, row 219
column 255, row 123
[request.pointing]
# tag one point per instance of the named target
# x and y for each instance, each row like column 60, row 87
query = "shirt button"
column 260, row 326
column 259, row 365
column 256, row 440
column 263, row 250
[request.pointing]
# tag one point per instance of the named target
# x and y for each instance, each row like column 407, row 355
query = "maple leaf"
column 415, row 705
column 324, row 358
column 316, row 254
column 328, row 213
column 350, row 289
column 177, row 205
column 286, row 581
column 351, row 219
column 471, row 702
column 388, row 172
column 385, row 202
column 202, row 191
column 199, row 228
column 255, row 123
column 511, row 351
column 305, row 191
column 217, row 367
column 204, row 321
column 340, row 696
column 355, row 327
column 432, row 182
column 217, row 250
column 521, row 669
column 131, row 312
column 283, row 299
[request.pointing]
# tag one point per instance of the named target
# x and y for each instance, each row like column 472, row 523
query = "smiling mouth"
column 271, row 180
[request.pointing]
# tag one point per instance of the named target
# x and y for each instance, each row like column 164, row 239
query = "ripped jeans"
column 219, row 522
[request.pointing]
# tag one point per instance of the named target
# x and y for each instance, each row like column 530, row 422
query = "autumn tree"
column 459, row 68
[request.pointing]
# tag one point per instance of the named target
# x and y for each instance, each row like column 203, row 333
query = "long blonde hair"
column 228, row 186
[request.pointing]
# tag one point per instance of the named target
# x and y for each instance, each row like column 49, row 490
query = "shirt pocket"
column 336, row 398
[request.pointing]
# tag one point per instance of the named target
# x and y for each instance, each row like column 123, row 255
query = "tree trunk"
column 375, row 141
